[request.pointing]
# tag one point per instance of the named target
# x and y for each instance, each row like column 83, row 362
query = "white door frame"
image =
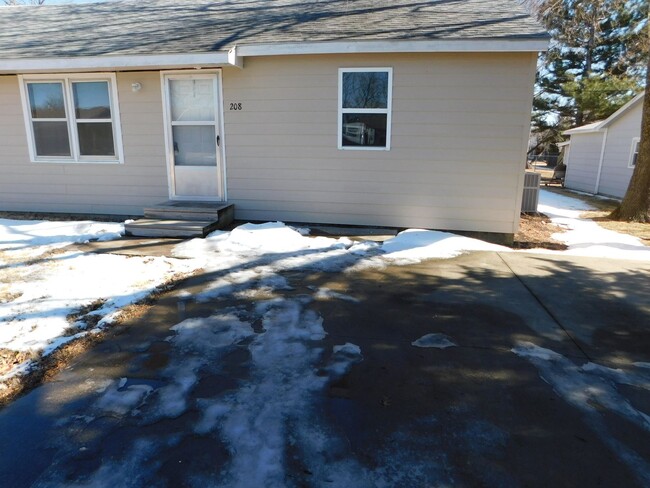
column 219, row 132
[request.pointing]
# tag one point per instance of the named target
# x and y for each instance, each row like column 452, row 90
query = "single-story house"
column 378, row 112
column 601, row 156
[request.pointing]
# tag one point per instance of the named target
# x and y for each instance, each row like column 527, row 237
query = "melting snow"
column 591, row 388
column 327, row 294
column 439, row 341
column 414, row 245
column 585, row 237
column 45, row 290
column 24, row 233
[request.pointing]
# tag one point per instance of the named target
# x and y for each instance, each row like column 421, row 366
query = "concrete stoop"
column 182, row 219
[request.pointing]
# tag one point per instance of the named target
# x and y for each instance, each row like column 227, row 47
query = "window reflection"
column 364, row 130
column 365, row 89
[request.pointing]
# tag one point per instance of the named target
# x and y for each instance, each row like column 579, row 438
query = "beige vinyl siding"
column 583, row 160
column 616, row 175
column 86, row 187
column 459, row 131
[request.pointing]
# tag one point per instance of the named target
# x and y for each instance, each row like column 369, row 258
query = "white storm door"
column 193, row 137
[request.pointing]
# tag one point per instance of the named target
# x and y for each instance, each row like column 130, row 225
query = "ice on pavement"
column 591, row 388
column 439, row 341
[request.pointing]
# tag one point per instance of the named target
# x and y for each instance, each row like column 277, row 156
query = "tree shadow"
column 472, row 414
column 134, row 28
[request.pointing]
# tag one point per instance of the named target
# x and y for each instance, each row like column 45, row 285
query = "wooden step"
column 191, row 211
column 170, row 228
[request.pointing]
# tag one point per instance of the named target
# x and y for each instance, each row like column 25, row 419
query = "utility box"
column 531, row 192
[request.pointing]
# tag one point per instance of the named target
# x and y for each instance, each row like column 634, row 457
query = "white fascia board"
column 442, row 45
column 113, row 63
column 586, row 129
column 629, row 105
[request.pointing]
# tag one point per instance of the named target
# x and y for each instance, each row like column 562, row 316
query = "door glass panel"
column 194, row 145
column 46, row 100
column 91, row 100
column 51, row 138
column 192, row 100
column 96, row 139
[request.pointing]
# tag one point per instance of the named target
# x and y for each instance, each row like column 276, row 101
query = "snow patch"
column 343, row 358
column 439, row 341
column 592, row 388
column 120, row 401
column 198, row 343
column 18, row 234
column 49, row 292
column 327, row 294
column 414, row 245
column 585, row 237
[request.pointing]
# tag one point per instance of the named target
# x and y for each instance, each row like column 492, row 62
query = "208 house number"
column 236, row 106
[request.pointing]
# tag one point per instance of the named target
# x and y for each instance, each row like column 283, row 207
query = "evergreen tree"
column 595, row 63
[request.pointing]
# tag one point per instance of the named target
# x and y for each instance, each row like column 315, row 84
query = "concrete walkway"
column 477, row 414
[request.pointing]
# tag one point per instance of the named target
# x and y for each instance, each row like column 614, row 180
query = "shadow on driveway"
column 255, row 388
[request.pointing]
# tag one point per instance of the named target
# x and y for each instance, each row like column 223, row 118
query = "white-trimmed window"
column 72, row 118
column 634, row 152
column 365, row 102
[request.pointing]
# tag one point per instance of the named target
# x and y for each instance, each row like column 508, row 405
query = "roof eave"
column 601, row 126
column 621, row 111
column 234, row 57
column 118, row 62
column 580, row 130
column 396, row 46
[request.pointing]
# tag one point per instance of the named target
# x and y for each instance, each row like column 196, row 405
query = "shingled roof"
column 201, row 26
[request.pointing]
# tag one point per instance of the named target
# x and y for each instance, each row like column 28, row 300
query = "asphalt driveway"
column 537, row 374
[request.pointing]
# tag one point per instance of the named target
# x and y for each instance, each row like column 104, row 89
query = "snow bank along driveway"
column 44, row 285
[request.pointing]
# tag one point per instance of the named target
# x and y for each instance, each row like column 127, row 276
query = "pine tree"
column 595, row 64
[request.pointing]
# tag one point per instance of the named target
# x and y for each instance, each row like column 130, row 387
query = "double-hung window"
column 365, row 100
column 72, row 118
column 634, row 152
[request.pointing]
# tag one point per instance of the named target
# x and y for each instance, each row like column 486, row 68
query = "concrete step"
column 170, row 228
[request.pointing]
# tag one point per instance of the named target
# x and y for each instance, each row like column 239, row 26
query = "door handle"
column 218, row 140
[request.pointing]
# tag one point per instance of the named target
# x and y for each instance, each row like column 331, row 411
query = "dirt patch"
column 7, row 296
column 535, row 231
column 85, row 314
column 9, row 359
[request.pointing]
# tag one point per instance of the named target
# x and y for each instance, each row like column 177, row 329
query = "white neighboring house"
column 601, row 156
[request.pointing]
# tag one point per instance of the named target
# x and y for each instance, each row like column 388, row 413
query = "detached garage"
column 601, row 156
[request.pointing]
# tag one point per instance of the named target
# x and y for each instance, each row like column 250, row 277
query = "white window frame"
column 67, row 79
column 636, row 146
column 388, row 110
